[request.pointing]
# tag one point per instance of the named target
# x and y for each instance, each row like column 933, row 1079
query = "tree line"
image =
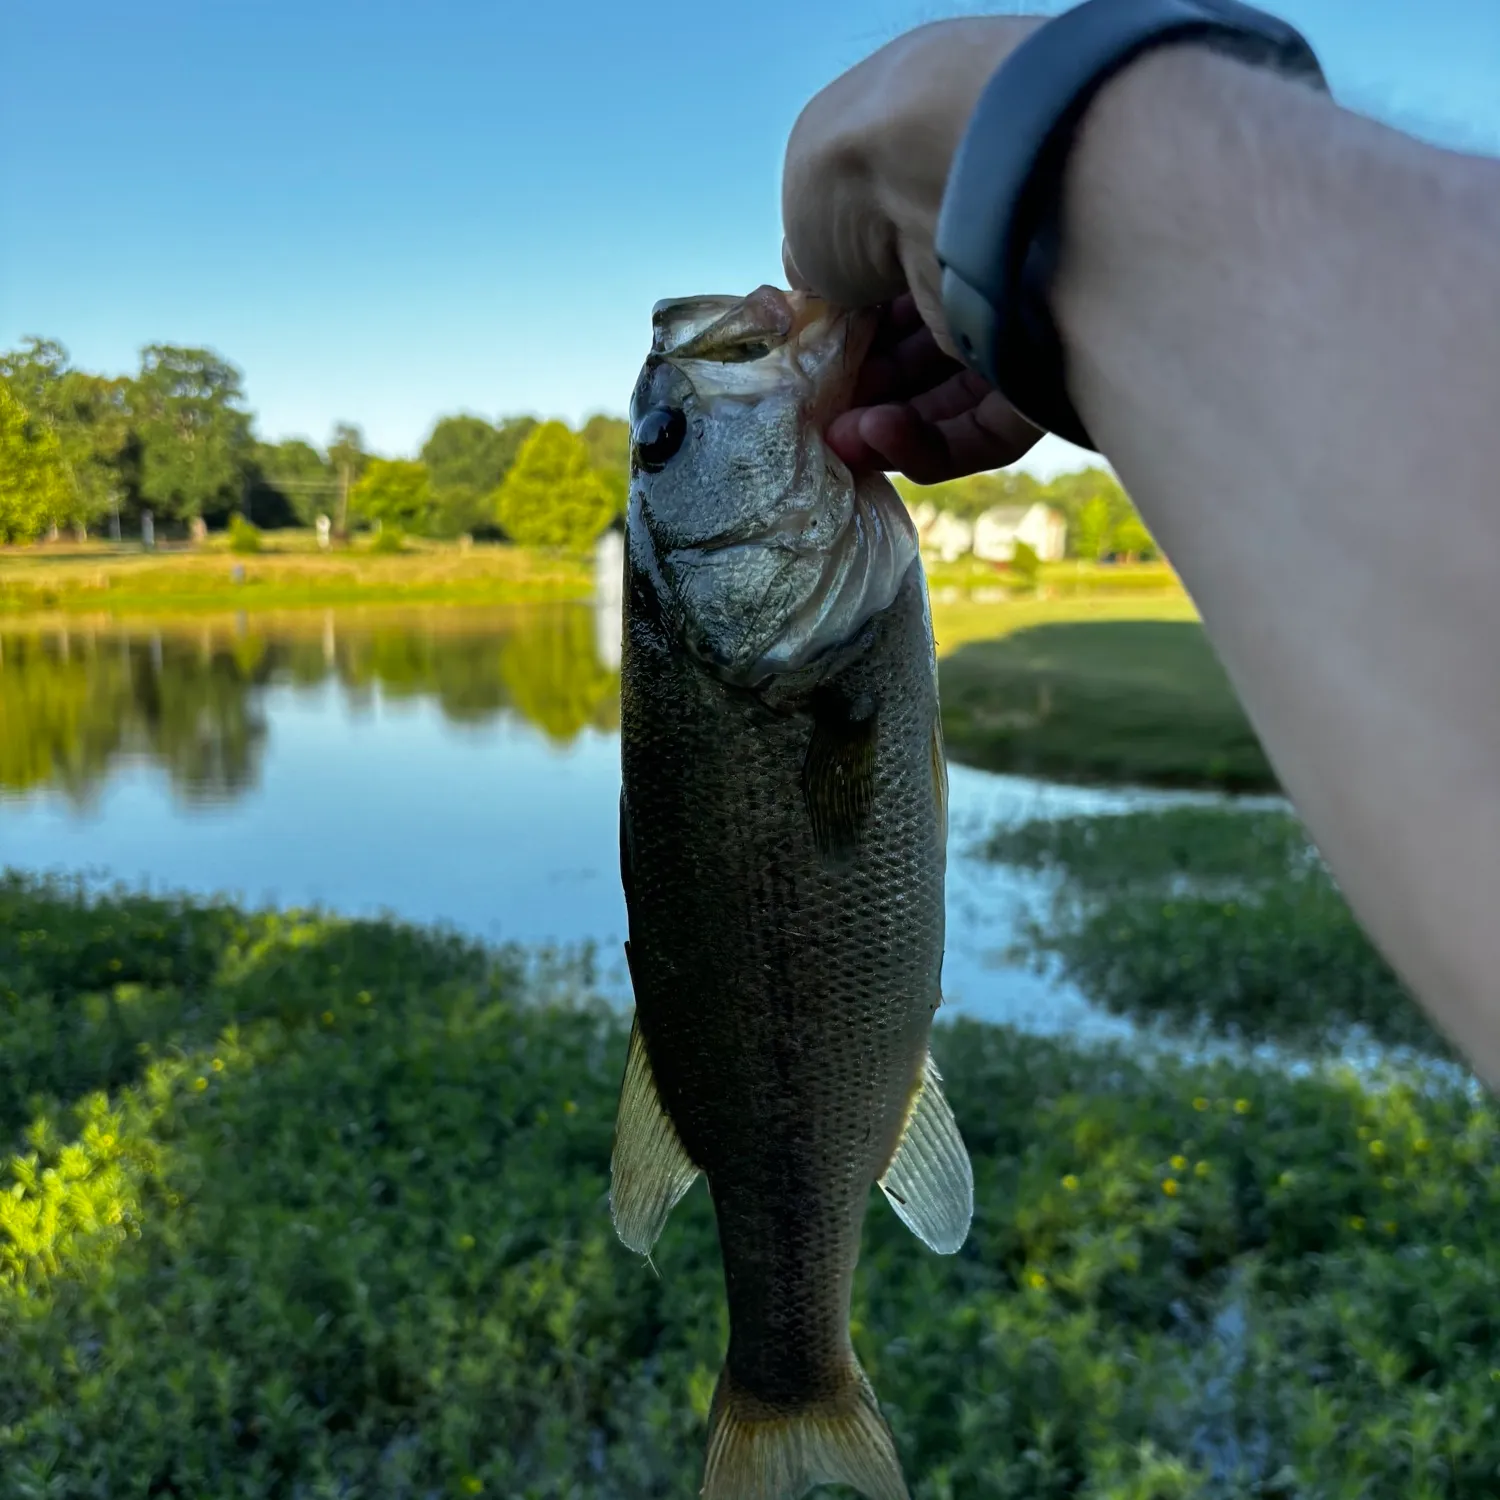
column 82, row 452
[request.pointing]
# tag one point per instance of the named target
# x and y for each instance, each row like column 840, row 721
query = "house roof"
column 1005, row 515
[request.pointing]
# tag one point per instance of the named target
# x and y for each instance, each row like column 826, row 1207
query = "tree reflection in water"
column 76, row 700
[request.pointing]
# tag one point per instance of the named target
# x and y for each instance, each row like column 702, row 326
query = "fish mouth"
column 763, row 343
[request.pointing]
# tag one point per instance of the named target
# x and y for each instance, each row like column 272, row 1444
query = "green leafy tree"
column 34, row 489
column 552, row 496
column 193, row 430
column 1025, row 563
column 347, row 458
column 1090, row 531
column 397, row 492
column 292, row 482
column 608, row 442
column 1131, row 538
column 88, row 414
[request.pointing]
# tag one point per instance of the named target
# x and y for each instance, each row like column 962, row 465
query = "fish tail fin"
column 762, row 1452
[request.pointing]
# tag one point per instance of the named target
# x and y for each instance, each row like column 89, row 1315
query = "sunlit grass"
column 287, row 573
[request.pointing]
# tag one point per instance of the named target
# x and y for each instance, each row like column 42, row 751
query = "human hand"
column 865, row 170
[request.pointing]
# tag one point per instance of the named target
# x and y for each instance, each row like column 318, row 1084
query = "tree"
column 347, row 459
column 608, row 442
column 193, row 431
column 292, row 482
column 33, row 483
column 552, row 497
column 1090, row 531
column 1130, row 537
column 88, row 414
column 396, row 492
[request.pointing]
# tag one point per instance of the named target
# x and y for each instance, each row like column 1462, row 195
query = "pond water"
column 444, row 765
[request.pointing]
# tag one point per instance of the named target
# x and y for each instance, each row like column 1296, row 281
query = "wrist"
column 1163, row 214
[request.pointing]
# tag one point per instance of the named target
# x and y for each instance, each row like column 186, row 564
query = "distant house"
column 998, row 529
column 940, row 533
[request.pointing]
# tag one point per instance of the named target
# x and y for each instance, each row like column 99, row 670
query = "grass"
column 286, row 572
column 306, row 1207
column 1212, row 921
column 1101, row 699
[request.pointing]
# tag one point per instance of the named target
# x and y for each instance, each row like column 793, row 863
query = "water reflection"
column 190, row 699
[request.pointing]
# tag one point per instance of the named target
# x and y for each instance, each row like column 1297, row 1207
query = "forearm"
column 1283, row 328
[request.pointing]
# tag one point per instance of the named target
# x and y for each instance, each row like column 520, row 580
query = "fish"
column 783, row 833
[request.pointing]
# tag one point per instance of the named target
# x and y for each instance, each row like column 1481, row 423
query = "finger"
column 904, row 370
column 894, row 437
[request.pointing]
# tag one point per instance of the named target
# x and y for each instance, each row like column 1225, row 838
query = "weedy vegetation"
column 298, row 1206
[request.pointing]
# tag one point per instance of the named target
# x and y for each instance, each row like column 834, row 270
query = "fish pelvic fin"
column 930, row 1182
column 761, row 1452
column 650, row 1170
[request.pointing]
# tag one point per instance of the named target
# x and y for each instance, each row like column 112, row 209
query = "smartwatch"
column 997, row 235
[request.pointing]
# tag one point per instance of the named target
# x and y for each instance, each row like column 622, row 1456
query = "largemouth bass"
column 783, row 826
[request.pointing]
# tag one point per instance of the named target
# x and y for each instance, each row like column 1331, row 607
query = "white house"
column 940, row 533
column 998, row 529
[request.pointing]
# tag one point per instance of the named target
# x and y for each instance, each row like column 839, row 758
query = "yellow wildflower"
column 199, row 1084
column 1202, row 1169
column 569, row 1108
column 1377, row 1149
column 1242, row 1106
column 471, row 1484
column 466, row 1242
column 1200, row 1104
column 1179, row 1164
column 1070, row 1182
column 218, row 1065
column 1171, row 1187
column 1037, row 1281
column 328, row 1018
column 1356, row 1223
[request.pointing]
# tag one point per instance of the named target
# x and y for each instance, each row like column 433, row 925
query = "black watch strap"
column 998, row 230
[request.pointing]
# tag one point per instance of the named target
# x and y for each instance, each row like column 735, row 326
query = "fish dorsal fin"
column 838, row 779
column 760, row 1452
column 929, row 1181
column 650, row 1171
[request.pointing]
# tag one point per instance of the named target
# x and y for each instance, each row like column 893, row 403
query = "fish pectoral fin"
column 761, row 1452
column 649, row 1171
column 929, row 1181
column 838, row 780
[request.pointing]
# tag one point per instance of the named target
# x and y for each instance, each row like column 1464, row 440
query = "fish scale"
column 783, row 830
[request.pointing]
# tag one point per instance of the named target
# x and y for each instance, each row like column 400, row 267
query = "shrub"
column 1024, row 563
column 389, row 539
column 243, row 536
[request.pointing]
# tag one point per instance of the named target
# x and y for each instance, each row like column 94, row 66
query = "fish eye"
column 657, row 436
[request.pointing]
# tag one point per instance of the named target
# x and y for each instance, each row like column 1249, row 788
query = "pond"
column 443, row 765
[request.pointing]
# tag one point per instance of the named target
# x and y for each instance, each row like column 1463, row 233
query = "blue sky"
column 385, row 211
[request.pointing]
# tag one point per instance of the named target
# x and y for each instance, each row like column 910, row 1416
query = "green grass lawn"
column 306, row 1207
column 1125, row 700
column 290, row 573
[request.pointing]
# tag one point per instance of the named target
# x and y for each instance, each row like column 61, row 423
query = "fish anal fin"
column 650, row 1170
column 838, row 779
column 929, row 1181
column 761, row 1452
